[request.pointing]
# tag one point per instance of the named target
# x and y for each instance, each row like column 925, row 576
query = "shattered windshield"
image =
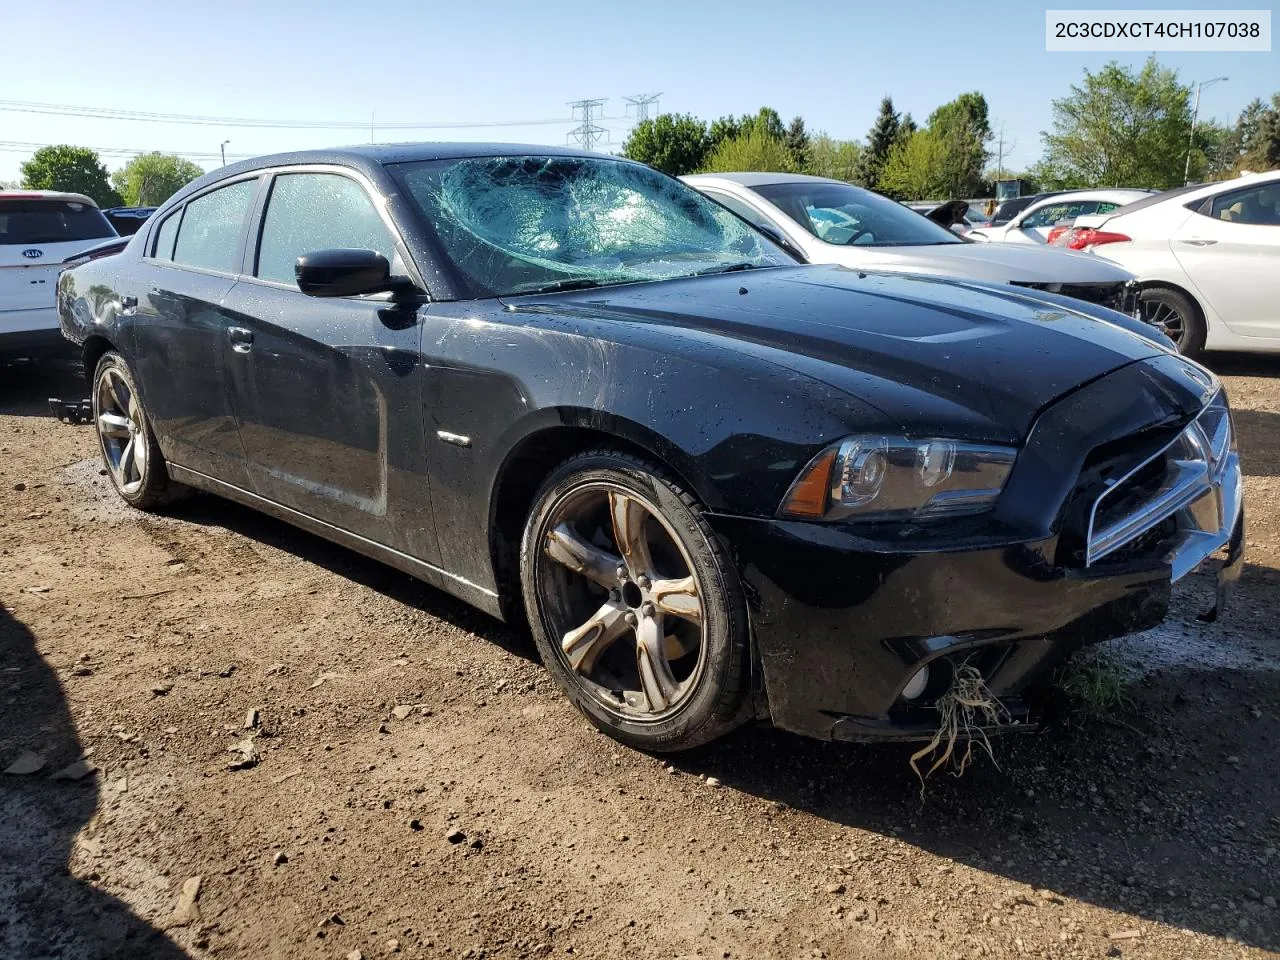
column 515, row 225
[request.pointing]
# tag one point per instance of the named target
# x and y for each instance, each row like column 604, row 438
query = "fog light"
column 916, row 685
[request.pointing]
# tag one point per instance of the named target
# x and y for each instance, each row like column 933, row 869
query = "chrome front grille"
column 1189, row 491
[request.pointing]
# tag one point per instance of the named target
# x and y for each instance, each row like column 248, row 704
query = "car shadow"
column 45, row 910
column 209, row 510
column 1168, row 810
column 1243, row 364
column 26, row 386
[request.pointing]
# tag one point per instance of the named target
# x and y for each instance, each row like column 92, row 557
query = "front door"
column 328, row 391
column 183, row 349
column 1230, row 248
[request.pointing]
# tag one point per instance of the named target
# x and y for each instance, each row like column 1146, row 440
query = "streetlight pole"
column 223, row 146
column 1195, row 113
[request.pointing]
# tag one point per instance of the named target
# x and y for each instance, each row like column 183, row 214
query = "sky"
column 509, row 63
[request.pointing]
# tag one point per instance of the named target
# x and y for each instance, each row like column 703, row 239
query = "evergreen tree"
column 797, row 141
column 884, row 134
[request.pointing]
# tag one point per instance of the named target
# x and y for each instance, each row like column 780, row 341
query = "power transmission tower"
column 587, row 133
column 641, row 102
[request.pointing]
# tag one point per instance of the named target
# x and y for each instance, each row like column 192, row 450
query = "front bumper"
column 841, row 624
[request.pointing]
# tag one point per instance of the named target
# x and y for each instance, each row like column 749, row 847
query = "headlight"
column 1214, row 424
column 893, row 478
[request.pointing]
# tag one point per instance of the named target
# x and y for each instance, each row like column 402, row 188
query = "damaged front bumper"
column 843, row 625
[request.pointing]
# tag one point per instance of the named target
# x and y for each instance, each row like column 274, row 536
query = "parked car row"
column 829, row 221
column 717, row 483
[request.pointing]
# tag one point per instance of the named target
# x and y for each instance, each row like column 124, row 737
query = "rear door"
column 184, row 341
column 36, row 235
column 1230, row 248
column 328, row 391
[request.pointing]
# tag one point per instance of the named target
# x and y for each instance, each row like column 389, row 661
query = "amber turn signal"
column 807, row 497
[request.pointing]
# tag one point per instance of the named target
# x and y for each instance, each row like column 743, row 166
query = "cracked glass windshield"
column 519, row 225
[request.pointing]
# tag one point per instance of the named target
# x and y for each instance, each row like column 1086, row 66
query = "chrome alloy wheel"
column 618, row 590
column 121, row 431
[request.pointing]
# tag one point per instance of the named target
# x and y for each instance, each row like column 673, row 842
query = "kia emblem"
column 33, row 253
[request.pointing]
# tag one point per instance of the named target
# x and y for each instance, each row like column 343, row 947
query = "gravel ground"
column 248, row 742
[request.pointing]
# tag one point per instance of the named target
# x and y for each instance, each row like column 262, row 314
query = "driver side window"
column 317, row 211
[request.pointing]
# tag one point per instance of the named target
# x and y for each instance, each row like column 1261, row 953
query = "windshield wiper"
column 576, row 283
column 731, row 268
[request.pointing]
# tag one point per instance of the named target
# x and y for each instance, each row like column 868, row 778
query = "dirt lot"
column 491, row 821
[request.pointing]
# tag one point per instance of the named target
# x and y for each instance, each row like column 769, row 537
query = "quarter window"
column 212, row 227
column 1258, row 205
column 163, row 249
column 317, row 211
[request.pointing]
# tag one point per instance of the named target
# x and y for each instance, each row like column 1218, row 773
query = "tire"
column 1178, row 312
column 129, row 450
column 650, row 642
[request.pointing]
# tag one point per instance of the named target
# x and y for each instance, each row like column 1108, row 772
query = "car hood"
column 995, row 262
column 931, row 355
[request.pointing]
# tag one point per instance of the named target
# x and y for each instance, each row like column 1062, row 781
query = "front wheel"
column 1173, row 313
column 635, row 608
column 129, row 448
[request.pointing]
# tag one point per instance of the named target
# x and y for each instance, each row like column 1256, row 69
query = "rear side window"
column 50, row 221
column 212, row 226
column 1257, row 205
column 317, row 211
column 163, row 249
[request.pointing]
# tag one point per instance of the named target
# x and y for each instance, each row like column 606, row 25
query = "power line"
column 587, row 133
column 108, row 113
column 16, row 146
column 641, row 102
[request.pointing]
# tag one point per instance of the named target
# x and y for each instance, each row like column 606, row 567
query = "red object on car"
column 1081, row 238
column 1055, row 233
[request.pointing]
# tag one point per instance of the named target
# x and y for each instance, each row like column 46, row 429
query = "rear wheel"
column 129, row 449
column 636, row 609
column 1173, row 312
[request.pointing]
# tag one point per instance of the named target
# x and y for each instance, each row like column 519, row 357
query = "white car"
column 829, row 221
column 41, row 232
column 1033, row 224
column 1208, row 259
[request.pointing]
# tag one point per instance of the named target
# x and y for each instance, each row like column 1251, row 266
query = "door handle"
column 241, row 339
column 1197, row 242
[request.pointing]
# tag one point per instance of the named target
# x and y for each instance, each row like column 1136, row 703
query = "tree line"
column 147, row 180
column 1120, row 127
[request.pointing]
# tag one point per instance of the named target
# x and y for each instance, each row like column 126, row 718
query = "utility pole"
column 1195, row 114
column 222, row 148
column 641, row 102
column 587, row 133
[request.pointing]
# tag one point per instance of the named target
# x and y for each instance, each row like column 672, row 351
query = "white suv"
column 40, row 231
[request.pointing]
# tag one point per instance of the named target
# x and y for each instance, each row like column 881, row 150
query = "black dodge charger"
column 719, row 485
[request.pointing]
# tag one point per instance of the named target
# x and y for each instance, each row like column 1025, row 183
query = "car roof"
column 46, row 195
column 366, row 157
column 757, row 179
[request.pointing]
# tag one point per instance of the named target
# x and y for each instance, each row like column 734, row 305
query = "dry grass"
column 964, row 711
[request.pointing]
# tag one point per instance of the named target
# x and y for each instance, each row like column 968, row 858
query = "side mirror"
column 344, row 273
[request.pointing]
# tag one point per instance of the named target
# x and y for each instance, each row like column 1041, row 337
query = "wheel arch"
column 93, row 349
column 545, row 444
